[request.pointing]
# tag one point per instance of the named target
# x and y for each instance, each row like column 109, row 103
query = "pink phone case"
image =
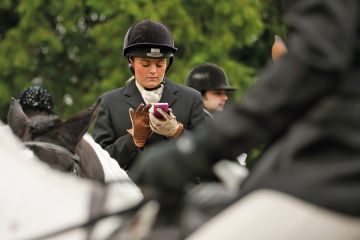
column 163, row 106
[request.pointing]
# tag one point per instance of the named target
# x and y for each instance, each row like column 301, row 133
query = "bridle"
column 56, row 148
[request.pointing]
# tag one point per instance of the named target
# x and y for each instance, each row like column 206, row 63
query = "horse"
column 59, row 143
column 39, row 202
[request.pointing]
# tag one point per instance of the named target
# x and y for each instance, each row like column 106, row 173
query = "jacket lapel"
column 133, row 95
column 169, row 93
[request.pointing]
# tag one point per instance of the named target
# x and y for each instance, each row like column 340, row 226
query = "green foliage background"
column 74, row 48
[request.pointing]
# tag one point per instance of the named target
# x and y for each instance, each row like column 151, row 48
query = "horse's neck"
column 89, row 165
column 111, row 167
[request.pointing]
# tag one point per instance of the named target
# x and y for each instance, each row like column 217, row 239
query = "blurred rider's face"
column 214, row 100
column 149, row 72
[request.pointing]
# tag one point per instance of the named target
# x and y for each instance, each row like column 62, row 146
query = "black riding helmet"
column 208, row 76
column 149, row 39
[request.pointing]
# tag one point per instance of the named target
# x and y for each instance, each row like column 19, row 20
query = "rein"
column 56, row 148
column 126, row 214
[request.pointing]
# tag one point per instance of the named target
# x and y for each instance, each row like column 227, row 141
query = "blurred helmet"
column 149, row 39
column 208, row 76
column 36, row 98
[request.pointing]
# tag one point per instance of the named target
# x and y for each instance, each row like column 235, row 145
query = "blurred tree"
column 74, row 48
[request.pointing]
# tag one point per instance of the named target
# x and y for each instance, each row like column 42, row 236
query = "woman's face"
column 149, row 72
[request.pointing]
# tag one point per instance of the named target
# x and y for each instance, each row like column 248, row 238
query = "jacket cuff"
column 178, row 131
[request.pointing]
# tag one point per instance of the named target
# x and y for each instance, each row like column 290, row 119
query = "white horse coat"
column 36, row 199
column 112, row 170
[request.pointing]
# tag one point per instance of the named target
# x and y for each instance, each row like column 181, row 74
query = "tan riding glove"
column 168, row 127
column 140, row 130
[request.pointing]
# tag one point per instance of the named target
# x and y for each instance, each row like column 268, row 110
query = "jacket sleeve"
column 197, row 117
column 197, row 113
column 121, row 148
column 321, row 36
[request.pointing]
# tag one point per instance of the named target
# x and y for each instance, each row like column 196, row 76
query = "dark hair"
column 36, row 98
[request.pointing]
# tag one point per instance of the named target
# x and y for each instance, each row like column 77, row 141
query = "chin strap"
column 171, row 59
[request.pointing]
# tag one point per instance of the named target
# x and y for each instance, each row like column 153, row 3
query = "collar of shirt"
column 150, row 96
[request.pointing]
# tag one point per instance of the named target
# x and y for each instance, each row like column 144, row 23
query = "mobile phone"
column 163, row 106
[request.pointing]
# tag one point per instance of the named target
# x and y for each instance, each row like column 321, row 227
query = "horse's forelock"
column 41, row 124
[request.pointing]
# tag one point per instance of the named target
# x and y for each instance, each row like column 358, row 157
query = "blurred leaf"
column 74, row 47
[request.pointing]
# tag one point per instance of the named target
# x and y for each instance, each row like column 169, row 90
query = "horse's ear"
column 16, row 118
column 73, row 129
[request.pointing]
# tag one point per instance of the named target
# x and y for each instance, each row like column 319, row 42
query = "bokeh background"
column 74, row 47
